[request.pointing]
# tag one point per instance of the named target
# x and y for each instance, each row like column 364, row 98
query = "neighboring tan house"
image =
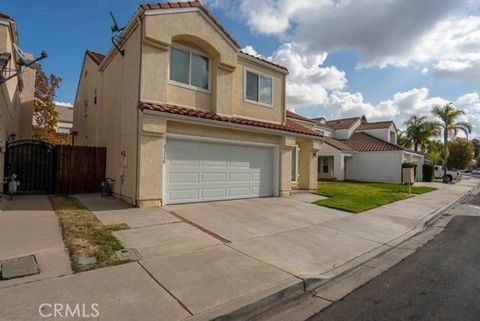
column 16, row 94
column 186, row 116
column 65, row 118
column 356, row 149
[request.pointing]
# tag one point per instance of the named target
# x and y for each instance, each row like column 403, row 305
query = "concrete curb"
column 312, row 285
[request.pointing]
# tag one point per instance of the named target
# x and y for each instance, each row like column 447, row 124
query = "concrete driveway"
column 302, row 239
column 28, row 225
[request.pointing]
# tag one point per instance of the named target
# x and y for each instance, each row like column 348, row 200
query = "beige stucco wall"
column 27, row 104
column 142, row 74
column 153, row 138
column 308, row 163
column 16, row 95
column 113, row 121
column 227, row 70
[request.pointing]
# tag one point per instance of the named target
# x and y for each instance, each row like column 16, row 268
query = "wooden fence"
column 79, row 169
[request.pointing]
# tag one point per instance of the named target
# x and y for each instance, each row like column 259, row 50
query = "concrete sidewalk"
column 28, row 225
column 202, row 261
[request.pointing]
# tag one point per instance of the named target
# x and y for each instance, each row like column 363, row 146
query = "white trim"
column 259, row 74
column 218, row 140
column 275, row 149
column 215, row 123
column 189, row 85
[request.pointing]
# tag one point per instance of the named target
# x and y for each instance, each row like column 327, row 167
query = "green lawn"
column 358, row 197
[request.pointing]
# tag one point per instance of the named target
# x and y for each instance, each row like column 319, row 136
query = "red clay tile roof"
column 265, row 60
column 344, row 123
column 189, row 4
column 323, row 126
column 290, row 126
column 4, row 16
column 335, row 143
column 291, row 114
column 95, row 56
column 375, row 125
column 363, row 142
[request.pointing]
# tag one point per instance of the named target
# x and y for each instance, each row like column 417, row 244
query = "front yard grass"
column 356, row 197
column 84, row 235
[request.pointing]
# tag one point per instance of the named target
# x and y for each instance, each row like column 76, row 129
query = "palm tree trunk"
column 445, row 153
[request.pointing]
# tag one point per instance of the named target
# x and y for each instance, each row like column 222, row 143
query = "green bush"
column 428, row 172
column 410, row 165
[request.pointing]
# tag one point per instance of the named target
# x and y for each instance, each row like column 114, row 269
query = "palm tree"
column 403, row 140
column 449, row 125
column 419, row 131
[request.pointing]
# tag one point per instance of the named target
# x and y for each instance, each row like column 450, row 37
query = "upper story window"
column 95, row 97
column 190, row 68
column 392, row 137
column 258, row 88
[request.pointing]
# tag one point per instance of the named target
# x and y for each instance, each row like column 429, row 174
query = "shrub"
column 428, row 171
column 410, row 165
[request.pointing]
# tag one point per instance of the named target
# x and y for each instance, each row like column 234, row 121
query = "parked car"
column 451, row 174
column 475, row 172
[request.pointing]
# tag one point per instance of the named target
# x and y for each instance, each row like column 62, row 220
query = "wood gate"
column 55, row 169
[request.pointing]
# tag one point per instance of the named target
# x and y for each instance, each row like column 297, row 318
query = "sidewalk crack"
column 160, row 284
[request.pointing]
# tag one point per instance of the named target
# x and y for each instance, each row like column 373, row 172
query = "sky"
column 385, row 59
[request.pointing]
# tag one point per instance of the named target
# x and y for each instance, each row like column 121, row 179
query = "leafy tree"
column 45, row 116
column 435, row 151
column 403, row 140
column 449, row 125
column 419, row 131
column 476, row 144
column 461, row 153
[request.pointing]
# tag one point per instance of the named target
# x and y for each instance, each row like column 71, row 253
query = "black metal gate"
column 34, row 164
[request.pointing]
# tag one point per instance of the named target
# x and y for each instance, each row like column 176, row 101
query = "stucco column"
column 151, row 161
column 308, row 164
column 286, row 147
column 222, row 95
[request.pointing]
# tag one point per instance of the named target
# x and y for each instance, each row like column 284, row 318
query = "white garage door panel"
column 201, row 171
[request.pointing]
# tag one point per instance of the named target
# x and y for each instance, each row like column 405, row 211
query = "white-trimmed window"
column 295, row 173
column 190, row 68
column 258, row 88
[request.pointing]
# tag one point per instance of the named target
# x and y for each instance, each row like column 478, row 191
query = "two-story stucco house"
column 356, row 149
column 17, row 93
column 186, row 116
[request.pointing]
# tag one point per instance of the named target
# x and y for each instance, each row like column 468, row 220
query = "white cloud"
column 63, row 103
column 399, row 108
column 442, row 33
column 309, row 79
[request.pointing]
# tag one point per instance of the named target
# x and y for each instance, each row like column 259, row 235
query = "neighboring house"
column 65, row 118
column 356, row 149
column 186, row 116
column 16, row 94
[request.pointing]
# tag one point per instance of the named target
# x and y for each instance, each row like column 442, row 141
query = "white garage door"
column 204, row 171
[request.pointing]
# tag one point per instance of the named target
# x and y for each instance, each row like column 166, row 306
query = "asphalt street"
column 441, row 281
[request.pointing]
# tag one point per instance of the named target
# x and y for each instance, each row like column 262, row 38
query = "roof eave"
column 216, row 123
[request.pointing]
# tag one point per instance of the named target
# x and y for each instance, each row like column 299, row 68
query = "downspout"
column 142, row 30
